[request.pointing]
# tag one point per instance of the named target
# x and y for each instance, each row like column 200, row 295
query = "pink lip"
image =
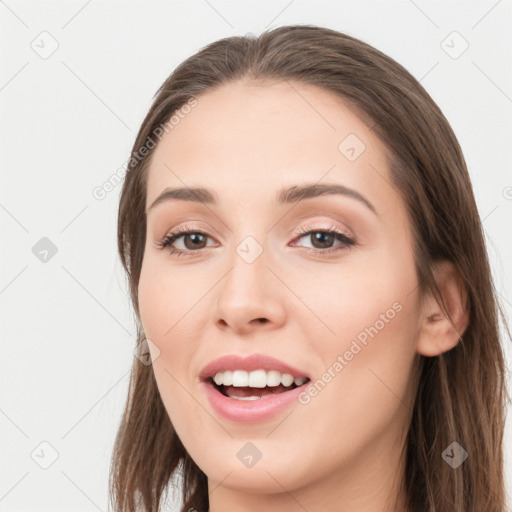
column 253, row 362
column 250, row 411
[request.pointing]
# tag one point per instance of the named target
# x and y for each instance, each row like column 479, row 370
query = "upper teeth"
column 256, row 378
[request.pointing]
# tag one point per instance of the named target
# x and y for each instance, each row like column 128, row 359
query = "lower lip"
column 250, row 411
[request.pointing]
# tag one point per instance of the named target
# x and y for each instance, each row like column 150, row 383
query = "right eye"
column 197, row 238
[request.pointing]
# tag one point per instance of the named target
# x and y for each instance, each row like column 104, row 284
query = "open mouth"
column 253, row 393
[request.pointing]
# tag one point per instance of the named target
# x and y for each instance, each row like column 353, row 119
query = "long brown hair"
column 461, row 394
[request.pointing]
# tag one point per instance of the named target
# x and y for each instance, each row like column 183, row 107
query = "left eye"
column 322, row 240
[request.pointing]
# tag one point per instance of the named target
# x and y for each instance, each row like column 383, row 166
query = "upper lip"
column 250, row 363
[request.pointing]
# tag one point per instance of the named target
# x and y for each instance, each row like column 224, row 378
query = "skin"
column 342, row 451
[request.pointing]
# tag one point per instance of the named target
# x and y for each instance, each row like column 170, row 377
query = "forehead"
column 244, row 139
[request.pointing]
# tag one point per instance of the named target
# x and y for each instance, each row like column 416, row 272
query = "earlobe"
column 437, row 332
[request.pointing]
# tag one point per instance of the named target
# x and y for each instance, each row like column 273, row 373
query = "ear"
column 437, row 332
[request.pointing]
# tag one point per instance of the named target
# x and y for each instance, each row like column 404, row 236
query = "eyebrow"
column 288, row 195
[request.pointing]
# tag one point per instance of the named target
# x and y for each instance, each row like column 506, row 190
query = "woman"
column 309, row 275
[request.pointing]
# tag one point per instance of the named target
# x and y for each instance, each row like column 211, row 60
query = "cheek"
column 364, row 393
column 356, row 302
column 367, row 360
column 170, row 312
column 167, row 300
column 370, row 357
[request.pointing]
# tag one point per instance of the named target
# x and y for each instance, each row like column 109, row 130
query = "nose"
column 250, row 296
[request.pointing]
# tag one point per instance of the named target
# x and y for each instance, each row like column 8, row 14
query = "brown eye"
column 192, row 241
column 197, row 241
column 322, row 239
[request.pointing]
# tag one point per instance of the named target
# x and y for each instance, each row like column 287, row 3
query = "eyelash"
column 186, row 230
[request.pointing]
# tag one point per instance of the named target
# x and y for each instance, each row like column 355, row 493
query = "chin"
column 262, row 480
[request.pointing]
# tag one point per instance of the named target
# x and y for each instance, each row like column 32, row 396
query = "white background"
column 68, row 123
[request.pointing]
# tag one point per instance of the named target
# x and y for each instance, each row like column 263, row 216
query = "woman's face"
column 265, row 278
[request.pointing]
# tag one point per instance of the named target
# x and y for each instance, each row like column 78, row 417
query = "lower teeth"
column 246, row 398
column 254, row 397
